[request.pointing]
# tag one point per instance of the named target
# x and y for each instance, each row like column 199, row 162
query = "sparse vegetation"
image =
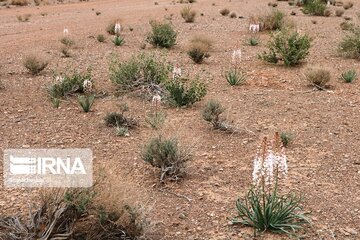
column 349, row 76
column 339, row 12
column 35, row 64
column 224, row 11
column 68, row 42
column 101, row 38
column 286, row 138
column 314, row 7
column 23, row 18
column 19, row 2
column 162, row 35
column 139, row 71
column 182, row 94
column 199, row 48
column 118, row 41
column 86, row 102
column 188, row 14
column 350, row 45
column 253, row 41
column 235, row 77
column 275, row 20
column 348, row 5
column 287, row 46
column 211, row 113
column 66, row 84
column 318, row 77
column 167, row 155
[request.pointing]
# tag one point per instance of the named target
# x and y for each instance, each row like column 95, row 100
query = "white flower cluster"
column 59, row 79
column 236, row 56
column 156, row 99
column 176, row 72
column 117, row 28
column 254, row 28
column 66, row 32
column 87, row 85
column 269, row 165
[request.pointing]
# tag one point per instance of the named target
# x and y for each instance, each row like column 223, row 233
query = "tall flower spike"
column 117, row 28
column 87, row 85
column 66, row 31
column 156, row 99
column 254, row 28
column 176, row 72
column 236, row 56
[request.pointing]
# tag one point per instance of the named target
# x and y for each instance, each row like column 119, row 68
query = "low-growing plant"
column 86, row 102
column 287, row 46
column 156, row 119
column 122, row 131
column 55, row 102
column 65, row 52
column 339, row 12
column 199, row 48
column 318, row 77
column 286, row 138
column 274, row 20
column 35, row 64
column 139, row 71
column 224, row 11
column 253, row 41
column 118, row 41
column 188, row 14
column 182, row 94
column 211, row 113
column 66, row 84
column 115, row 119
column 349, row 76
column 110, row 29
column 23, row 18
column 101, row 38
column 19, row 2
column 67, row 41
column 263, row 208
column 235, row 76
column 314, row 7
column 327, row 13
column 167, row 155
column 350, row 45
column 346, row 26
column 348, row 5
column 162, row 35
column 233, row 15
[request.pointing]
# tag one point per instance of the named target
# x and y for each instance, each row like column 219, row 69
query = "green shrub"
column 69, row 83
column 275, row 20
column 138, row 71
column 317, row 77
column 199, row 49
column 253, row 41
column 156, row 120
column 166, row 155
column 34, row 64
column 350, row 45
column 235, row 77
column 100, row 38
column 181, row 94
column 188, row 14
column 349, row 76
column 86, row 102
column 118, row 40
column 162, row 35
column 68, row 42
column 314, row 7
column 289, row 47
column 286, row 138
column 212, row 110
column 115, row 119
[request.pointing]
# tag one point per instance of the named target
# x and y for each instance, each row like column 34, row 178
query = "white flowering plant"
column 264, row 208
column 235, row 75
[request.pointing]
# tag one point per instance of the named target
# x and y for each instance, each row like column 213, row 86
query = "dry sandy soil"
column 324, row 163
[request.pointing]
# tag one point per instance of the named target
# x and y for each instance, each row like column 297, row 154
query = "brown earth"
column 324, row 163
